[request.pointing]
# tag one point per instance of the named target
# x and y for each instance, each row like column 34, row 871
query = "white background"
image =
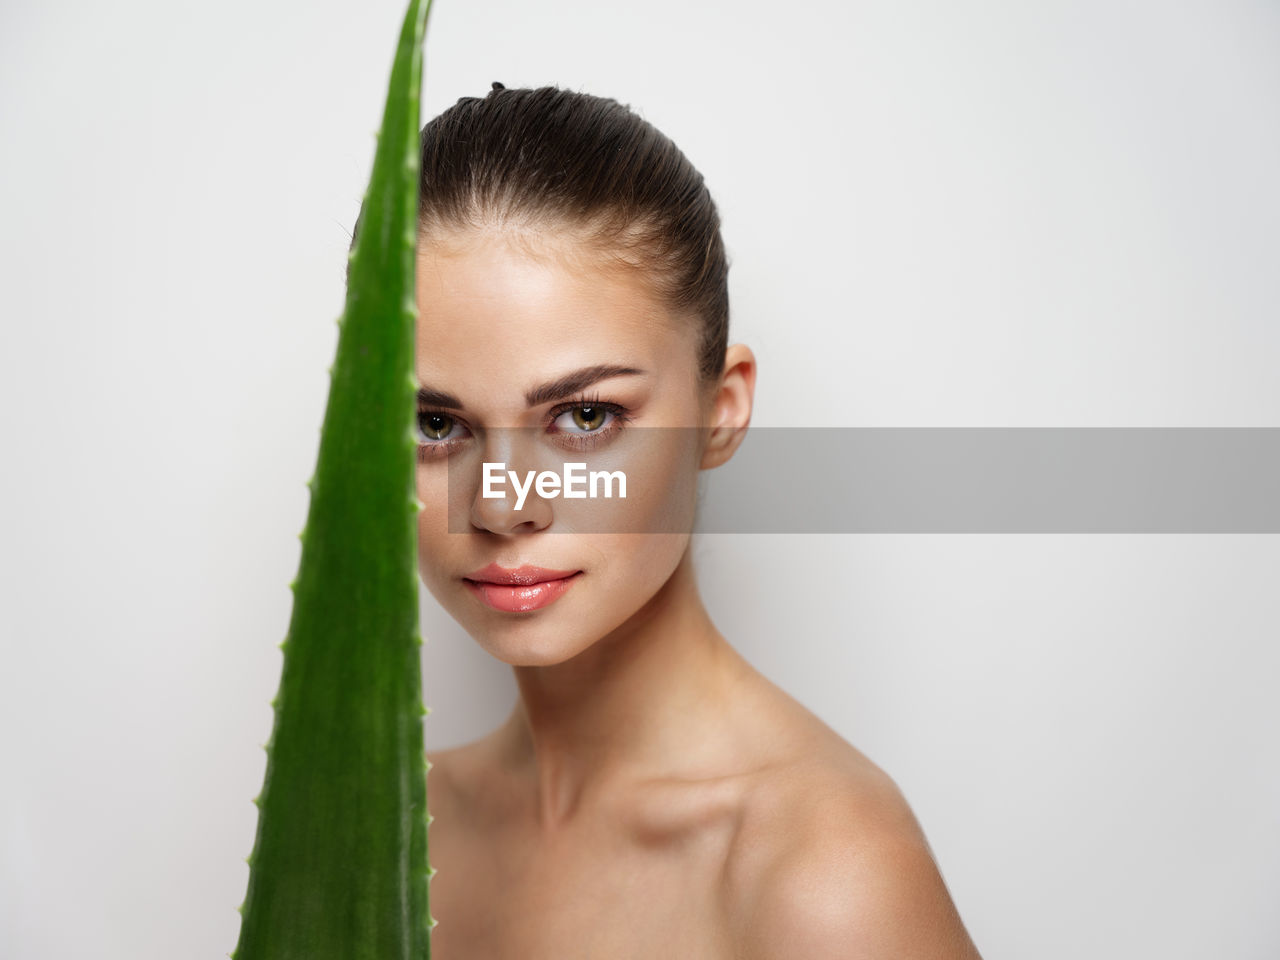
column 1057, row 213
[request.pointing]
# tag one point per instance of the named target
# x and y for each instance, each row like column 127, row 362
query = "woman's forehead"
column 497, row 319
column 492, row 291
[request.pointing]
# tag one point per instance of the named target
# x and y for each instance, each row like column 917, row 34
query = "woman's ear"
column 731, row 406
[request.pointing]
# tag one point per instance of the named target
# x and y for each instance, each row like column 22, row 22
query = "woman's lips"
column 522, row 589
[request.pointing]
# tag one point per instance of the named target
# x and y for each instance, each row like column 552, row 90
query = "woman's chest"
column 500, row 895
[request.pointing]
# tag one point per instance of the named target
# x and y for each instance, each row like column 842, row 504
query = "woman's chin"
column 528, row 648
column 523, row 630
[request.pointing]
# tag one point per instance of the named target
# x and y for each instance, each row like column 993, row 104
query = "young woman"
column 651, row 794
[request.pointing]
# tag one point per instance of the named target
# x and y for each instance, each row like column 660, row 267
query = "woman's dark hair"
column 546, row 156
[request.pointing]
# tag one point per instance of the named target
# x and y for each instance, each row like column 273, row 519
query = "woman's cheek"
column 625, row 572
column 433, row 540
column 660, row 467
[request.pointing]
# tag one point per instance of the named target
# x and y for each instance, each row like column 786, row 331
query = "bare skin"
column 651, row 793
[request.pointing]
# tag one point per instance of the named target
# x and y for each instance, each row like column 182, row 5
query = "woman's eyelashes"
column 588, row 422
column 436, row 434
column 579, row 424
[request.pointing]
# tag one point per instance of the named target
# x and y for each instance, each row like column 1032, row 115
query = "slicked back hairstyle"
column 552, row 159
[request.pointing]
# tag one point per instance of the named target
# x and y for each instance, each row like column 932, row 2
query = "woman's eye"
column 587, row 418
column 436, row 427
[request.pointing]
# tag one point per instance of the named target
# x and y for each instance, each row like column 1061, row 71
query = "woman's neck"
column 652, row 690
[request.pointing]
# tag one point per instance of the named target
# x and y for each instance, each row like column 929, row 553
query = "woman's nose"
column 505, row 500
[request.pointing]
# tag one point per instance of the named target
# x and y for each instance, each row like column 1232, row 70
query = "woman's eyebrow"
column 577, row 380
column 437, row 398
column 551, row 390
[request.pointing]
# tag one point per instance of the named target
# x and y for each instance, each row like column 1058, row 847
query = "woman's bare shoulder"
column 829, row 861
column 460, row 777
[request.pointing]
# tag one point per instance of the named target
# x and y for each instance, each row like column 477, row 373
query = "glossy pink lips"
column 520, row 590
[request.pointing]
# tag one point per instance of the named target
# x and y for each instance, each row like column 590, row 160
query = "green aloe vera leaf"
column 339, row 867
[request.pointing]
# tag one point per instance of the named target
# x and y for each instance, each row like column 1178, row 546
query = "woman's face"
column 535, row 354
